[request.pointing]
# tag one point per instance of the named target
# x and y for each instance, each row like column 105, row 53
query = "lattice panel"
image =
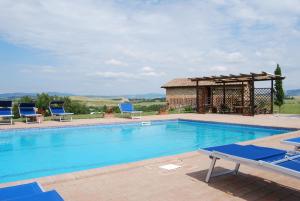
column 233, row 97
column 262, row 101
column 217, row 99
column 247, row 100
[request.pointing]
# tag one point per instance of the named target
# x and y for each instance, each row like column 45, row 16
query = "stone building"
column 181, row 92
column 230, row 94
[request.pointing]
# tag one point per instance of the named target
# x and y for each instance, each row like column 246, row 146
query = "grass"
column 100, row 102
column 95, row 102
column 291, row 106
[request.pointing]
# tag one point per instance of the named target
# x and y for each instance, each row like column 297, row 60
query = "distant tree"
column 279, row 92
column 75, row 107
column 26, row 99
column 104, row 108
column 42, row 102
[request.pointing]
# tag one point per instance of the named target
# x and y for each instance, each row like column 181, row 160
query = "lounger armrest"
column 292, row 141
column 6, row 115
column 62, row 114
column 31, row 115
column 136, row 111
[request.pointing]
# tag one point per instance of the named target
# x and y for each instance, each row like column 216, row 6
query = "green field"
column 95, row 102
column 291, row 106
column 99, row 102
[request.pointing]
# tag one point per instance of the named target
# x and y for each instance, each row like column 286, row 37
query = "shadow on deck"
column 248, row 187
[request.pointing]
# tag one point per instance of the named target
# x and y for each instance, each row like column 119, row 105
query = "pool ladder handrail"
column 146, row 123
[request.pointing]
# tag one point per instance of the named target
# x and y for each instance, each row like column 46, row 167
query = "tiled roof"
column 186, row 82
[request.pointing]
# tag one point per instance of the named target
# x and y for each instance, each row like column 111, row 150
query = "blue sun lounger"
column 293, row 141
column 6, row 110
column 269, row 159
column 28, row 192
column 129, row 109
column 28, row 110
column 57, row 110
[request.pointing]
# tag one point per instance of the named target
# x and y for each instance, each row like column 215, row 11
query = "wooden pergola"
column 242, row 79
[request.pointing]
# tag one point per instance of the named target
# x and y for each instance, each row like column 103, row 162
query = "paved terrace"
column 145, row 181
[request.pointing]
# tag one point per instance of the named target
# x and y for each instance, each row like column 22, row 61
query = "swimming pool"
column 32, row 153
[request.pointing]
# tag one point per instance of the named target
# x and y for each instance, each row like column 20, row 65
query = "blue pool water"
column 35, row 153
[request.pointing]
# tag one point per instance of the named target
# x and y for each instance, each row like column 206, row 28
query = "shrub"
column 104, row 108
column 150, row 108
column 116, row 109
column 76, row 107
column 188, row 109
column 16, row 111
column 42, row 102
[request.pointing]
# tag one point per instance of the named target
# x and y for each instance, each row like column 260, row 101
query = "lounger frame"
column 10, row 117
column 35, row 116
column 131, row 113
column 295, row 144
column 214, row 155
column 60, row 116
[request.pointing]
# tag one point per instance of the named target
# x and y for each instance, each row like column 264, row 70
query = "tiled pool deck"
column 145, row 181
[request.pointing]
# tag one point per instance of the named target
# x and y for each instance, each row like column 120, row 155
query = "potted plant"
column 163, row 110
column 108, row 111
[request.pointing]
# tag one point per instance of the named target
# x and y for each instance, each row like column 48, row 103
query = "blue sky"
column 127, row 47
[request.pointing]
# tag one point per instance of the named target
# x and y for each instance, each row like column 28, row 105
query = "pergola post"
column 197, row 97
column 243, row 97
column 272, row 95
column 252, row 97
column 224, row 94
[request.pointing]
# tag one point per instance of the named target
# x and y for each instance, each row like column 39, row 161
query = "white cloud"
column 39, row 69
column 48, row 69
column 227, row 57
column 151, row 72
column 155, row 40
column 145, row 72
column 115, row 75
column 115, row 62
column 219, row 69
column 147, row 69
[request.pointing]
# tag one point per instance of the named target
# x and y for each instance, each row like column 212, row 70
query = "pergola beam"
column 263, row 76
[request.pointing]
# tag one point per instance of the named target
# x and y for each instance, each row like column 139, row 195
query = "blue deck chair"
column 28, row 110
column 293, row 141
column 28, row 192
column 57, row 110
column 276, row 160
column 128, row 108
column 6, row 110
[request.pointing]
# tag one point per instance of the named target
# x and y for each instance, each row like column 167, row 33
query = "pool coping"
column 241, row 124
column 141, row 121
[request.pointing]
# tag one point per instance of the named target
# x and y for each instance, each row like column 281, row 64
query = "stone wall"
column 181, row 97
